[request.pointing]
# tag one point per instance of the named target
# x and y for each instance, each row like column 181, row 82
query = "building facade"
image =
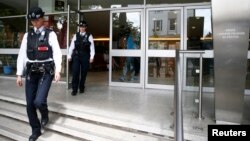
column 134, row 40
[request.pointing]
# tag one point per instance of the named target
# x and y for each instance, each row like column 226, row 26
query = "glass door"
column 164, row 35
column 126, row 48
column 198, row 36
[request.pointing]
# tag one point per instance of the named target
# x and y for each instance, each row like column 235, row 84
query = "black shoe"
column 82, row 91
column 44, row 122
column 73, row 93
column 34, row 136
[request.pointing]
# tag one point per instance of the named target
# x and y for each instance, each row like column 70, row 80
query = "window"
column 158, row 25
column 172, row 26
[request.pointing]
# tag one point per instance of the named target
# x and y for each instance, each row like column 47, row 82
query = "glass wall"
column 13, row 27
column 126, row 30
column 101, row 4
column 8, row 64
column 164, row 29
column 126, row 69
column 161, row 70
column 192, row 72
column 199, row 29
column 11, row 32
column 164, row 37
column 6, row 9
column 199, row 37
column 126, row 48
column 174, row 1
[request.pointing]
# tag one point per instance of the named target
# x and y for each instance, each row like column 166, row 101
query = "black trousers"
column 80, row 66
column 37, row 87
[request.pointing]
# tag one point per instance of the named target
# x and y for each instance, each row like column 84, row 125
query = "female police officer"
column 81, row 52
column 40, row 54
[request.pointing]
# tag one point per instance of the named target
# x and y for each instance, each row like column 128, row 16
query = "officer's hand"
column 69, row 59
column 19, row 81
column 57, row 76
column 91, row 60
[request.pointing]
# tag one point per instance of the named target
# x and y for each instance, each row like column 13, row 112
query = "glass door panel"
column 126, row 48
column 198, row 37
column 164, row 36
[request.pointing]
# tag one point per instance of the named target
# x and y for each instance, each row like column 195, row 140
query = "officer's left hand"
column 57, row 76
column 91, row 60
column 19, row 81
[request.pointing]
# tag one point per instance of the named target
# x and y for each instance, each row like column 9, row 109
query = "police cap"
column 35, row 13
column 83, row 23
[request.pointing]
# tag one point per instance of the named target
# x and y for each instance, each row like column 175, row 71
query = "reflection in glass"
column 17, row 9
column 164, row 29
column 193, row 65
column 199, row 29
column 11, row 32
column 248, row 75
column 161, row 70
column 126, row 69
column 8, row 64
column 54, row 6
column 174, row 1
column 90, row 4
column 126, row 30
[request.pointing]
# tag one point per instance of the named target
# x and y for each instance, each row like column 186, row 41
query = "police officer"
column 41, row 56
column 81, row 52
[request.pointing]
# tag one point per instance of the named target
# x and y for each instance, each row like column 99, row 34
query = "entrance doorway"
column 99, row 28
column 143, row 55
column 153, row 55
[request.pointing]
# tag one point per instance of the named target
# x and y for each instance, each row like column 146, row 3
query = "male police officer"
column 40, row 54
column 81, row 52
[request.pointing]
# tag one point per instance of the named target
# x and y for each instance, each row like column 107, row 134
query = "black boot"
column 73, row 93
column 44, row 121
column 34, row 136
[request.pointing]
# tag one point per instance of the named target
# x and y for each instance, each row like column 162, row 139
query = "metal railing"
column 178, row 113
column 67, row 61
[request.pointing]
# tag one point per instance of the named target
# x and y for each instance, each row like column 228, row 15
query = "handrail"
column 67, row 61
column 200, row 77
column 178, row 95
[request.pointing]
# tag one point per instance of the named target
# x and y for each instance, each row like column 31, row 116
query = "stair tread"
column 19, row 130
column 76, row 127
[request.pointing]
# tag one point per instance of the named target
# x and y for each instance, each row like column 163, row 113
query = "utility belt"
column 40, row 67
column 80, row 52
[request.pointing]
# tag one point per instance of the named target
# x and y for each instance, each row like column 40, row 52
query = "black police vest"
column 38, row 47
column 82, row 44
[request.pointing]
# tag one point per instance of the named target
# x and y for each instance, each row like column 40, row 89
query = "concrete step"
column 77, row 127
column 20, row 131
column 86, row 115
column 4, row 138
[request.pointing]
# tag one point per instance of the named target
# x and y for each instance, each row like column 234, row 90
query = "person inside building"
column 130, row 62
column 81, row 53
column 41, row 56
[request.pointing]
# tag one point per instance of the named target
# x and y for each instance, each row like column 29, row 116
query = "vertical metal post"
column 178, row 100
column 67, row 61
column 27, row 11
column 78, row 13
column 200, row 87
